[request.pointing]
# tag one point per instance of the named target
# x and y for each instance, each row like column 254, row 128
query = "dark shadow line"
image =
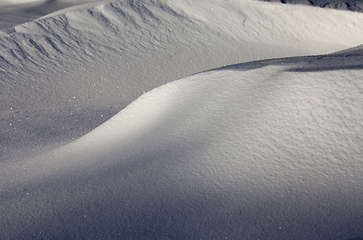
column 325, row 68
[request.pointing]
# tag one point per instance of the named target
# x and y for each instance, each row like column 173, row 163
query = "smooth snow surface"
column 11, row 2
column 268, row 149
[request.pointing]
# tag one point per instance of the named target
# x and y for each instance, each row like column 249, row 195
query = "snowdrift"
column 269, row 152
column 266, row 149
column 65, row 74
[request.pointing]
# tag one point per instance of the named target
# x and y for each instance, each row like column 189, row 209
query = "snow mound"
column 271, row 152
column 90, row 62
column 269, row 149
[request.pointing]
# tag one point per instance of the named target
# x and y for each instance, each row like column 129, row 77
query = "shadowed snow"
column 104, row 55
column 265, row 153
column 268, row 149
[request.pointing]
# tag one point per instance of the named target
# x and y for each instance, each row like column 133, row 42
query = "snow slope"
column 16, row 12
column 83, row 65
column 268, row 149
column 264, row 150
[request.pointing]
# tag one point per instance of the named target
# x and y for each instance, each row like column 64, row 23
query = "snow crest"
column 70, row 71
column 264, row 153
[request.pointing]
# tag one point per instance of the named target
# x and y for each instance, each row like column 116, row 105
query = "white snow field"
column 220, row 145
column 65, row 74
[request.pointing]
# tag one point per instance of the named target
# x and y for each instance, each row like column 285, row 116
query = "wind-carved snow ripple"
column 146, row 44
column 46, row 37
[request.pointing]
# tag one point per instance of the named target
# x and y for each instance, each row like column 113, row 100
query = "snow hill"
column 237, row 148
column 84, row 64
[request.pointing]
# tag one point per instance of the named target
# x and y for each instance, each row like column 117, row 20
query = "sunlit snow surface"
column 268, row 149
column 68, row 72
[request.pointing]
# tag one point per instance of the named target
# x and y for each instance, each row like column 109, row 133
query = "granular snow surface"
column 182, row 120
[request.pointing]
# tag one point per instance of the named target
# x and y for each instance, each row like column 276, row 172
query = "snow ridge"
column 74, row 62
column 264, row 153
column 118, row 35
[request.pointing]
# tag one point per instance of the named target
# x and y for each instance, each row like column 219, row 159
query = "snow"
column 11, row 2
column 16, row 12
column 95, row 59
column 210, row 142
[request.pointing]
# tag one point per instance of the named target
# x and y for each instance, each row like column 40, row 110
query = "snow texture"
column 211, row 142
column 84, row 64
